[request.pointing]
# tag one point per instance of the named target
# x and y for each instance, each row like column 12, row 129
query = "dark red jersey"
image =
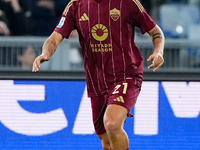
column 106, row 35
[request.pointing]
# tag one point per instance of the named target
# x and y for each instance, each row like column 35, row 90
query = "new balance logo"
column 84, row 17
column 119, row 99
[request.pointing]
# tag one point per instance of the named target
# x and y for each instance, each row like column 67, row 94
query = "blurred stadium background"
column 179, row 21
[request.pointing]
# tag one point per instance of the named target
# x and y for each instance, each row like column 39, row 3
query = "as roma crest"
column 115, row 14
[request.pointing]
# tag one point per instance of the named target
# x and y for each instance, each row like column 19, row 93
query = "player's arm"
column 158, row 39
column 48, row 49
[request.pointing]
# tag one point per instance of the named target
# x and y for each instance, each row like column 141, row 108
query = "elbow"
column 156, row 32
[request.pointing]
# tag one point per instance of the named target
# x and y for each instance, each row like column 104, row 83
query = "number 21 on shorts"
column 124, row 85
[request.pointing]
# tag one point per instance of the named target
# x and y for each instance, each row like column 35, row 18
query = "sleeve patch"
column 61, row 22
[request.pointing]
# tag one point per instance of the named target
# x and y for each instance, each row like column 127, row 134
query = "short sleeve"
column 145, row 22
column 140, row 18
column 66, row 23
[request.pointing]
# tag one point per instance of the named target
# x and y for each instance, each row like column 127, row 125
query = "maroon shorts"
column 124, row 94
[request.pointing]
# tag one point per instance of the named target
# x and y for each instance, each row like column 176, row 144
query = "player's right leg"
column 99, row 105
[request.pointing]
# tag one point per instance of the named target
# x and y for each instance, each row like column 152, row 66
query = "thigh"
column 115, row 116
column 125, row 94
column 99, row 105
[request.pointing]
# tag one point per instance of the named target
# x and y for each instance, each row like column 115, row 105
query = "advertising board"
column 56, row 114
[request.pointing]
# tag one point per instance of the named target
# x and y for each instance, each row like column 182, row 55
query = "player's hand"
column 157, row 61
column 38, row 60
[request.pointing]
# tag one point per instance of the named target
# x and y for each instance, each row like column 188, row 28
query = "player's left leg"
column 121, row 100
column 105, row 141
column 114, row 118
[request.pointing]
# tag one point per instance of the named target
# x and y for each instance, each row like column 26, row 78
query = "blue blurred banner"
column 55, row 115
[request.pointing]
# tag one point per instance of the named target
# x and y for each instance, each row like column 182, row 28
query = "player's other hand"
column 157, row 61
column 38, row 61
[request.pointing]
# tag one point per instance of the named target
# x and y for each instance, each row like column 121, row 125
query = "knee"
column 112, row 127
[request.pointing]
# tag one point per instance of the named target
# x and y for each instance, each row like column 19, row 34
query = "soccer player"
column 112, row 61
